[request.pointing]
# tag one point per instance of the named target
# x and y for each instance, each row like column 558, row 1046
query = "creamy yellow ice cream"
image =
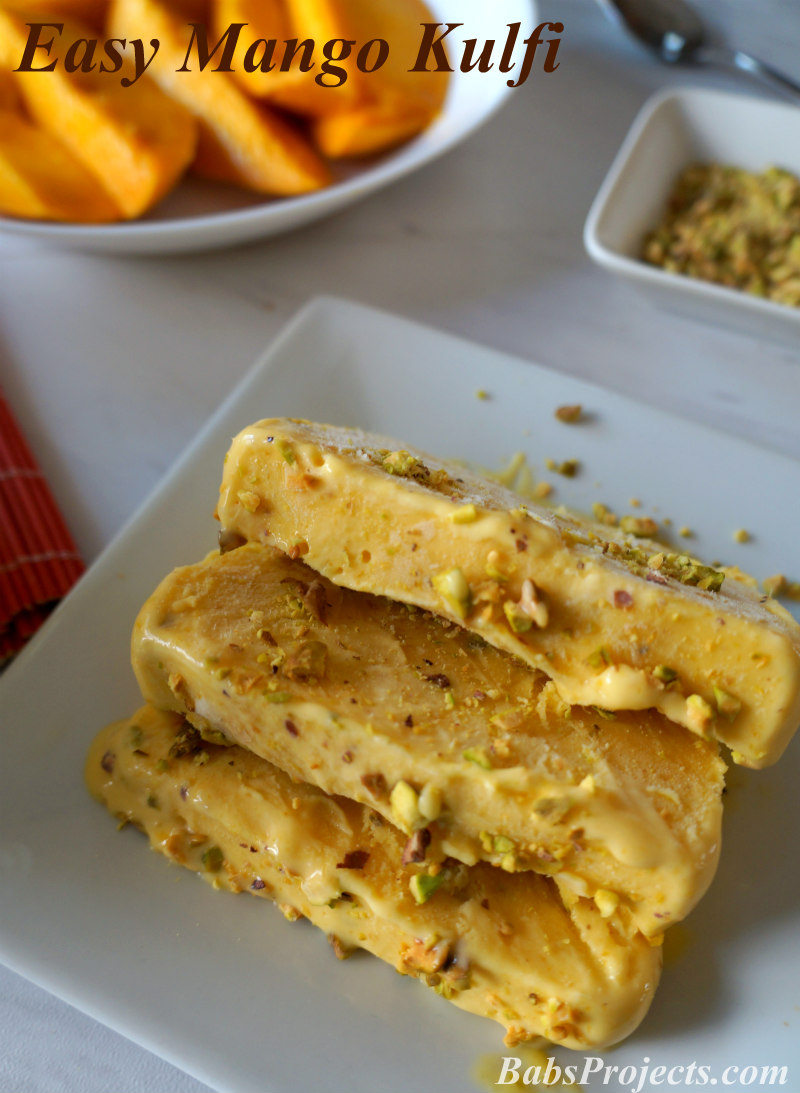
column 615, row 622
column 445, row 736
column 502, row 946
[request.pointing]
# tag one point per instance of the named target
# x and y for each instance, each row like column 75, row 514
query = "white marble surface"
column 112, row 364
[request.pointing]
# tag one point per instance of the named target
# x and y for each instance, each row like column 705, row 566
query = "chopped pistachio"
column 519, row 620
column 741, row 535
column 569, row 414
column 423, row 885
column 430, row 801
column 603, row 515
column 643, row 527
column 212, row 859
column 600, row 658
column 307, row 662
column 454, row 589
column 465, row 514
column 699, row 713
column 479, row 756
column 503, row 845
column 277, row 696
column 665, row 674
column 450, row 700
column 606, row 901
column 568, row 467
column 249, row 500
column 492, row 569
column 727, row 704
column 482, row 394
column 405, row 807
column 285, row 448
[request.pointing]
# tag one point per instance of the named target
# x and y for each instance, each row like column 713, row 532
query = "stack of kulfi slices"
column 474, row 737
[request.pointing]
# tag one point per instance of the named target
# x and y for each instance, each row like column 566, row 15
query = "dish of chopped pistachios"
column 734, row 228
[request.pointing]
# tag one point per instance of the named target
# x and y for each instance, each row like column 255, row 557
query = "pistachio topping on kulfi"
column 469, row 752
column 504, row 946
column 606, row 615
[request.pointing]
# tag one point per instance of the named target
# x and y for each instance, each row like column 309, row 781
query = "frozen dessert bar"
column 499, row 945
column 467, row 750
column 616, row 622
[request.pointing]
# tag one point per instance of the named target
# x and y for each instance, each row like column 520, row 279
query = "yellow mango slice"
column 135, row 140
column 295, row 89
column 394, row 103
column 41, row 180
column 367, row 130
column 240, row 141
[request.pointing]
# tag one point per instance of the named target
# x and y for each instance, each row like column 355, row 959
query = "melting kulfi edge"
column 617, row 623
column 468, row 751
column 499, row 945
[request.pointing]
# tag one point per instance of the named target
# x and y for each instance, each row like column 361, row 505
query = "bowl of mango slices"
column 108, row 106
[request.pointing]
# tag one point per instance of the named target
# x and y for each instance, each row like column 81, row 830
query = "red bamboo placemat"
column 39, row 562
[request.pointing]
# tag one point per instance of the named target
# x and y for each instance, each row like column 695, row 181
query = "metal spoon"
column 674, row 31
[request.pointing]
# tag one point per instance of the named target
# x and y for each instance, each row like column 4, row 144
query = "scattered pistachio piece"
column 727, row 704
column 479, row 756
column 569, row 414
column 600, row 658
column 285, row 448
column 519, row 621
column 212, row 859
column 492, row 569
column 503, row 845
column 405, row 807
column 423, row 885
column 741, row 535
column 643, row 527
column 454, row 589
column 249, row 500
column 699, row 713
column 664, row 674
column 430, row 801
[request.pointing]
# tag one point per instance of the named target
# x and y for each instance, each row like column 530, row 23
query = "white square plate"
column 200, row 215
column 221, row 985
column 673, row 130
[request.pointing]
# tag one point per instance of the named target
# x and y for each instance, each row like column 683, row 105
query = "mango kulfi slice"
column 501, row 946
column 466, row 749
column 615, row 622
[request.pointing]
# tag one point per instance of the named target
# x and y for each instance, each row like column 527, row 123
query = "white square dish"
column 222, row 986
column 673, row 130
